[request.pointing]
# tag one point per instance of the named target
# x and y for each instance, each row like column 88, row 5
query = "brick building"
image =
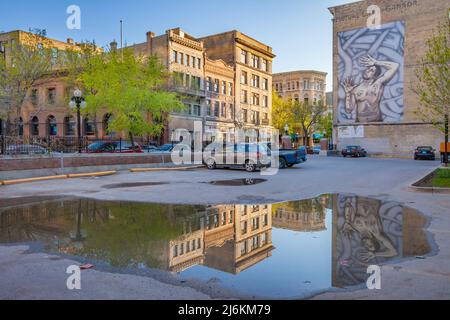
column 374, row 73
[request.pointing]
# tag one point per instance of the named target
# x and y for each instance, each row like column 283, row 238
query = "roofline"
column 55, row 40
column 331, row 9
column 300, row 71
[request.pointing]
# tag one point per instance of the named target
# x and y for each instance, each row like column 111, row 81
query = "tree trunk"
column 131, row 139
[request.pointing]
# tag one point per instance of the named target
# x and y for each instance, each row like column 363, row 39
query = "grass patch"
column 441, row 178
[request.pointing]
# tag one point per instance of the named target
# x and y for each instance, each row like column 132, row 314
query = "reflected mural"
column 291, row 249
column 370, row 74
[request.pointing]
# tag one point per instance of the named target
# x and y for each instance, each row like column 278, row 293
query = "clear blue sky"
column 300, row 31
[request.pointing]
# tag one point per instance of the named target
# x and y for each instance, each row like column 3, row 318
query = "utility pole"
column 121, row 38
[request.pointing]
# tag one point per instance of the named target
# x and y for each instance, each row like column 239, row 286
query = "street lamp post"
column 78, row 101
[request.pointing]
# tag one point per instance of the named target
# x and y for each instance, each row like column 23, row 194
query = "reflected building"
column 307, row 216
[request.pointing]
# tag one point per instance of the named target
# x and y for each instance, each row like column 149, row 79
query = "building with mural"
column 374, row 74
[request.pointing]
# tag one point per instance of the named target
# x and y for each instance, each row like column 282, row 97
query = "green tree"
column 24, row 64
column 131, row 89
column 433, row 85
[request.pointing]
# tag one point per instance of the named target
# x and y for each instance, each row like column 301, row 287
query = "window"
column 51, row 95
column 265, row 101
column 193, row 245
column 199, row 243
column 34, row 126
column 255, row 99
column 208, row 84
column 265, row 65
column 34, row 96
column 196, row 110
column 181, row 249
column 223, row 112
column 187, row 60
column 266, row 220
column 244, row 78
column 245, row 115
column 306, row 84
column 264, row 239
column 89, row 127
column 255, row 243
column 208, row 107
column 69, row 124
column 54, row 53
column 216, row 109
column 175, row 251
column 244, row 96
column 255, row 61
column 243, row 227
column 216, row 85
column 181, row 58
column 266, row 84
column 193, row 59
column 230, row 89
column 187, row 80
column 52, row 129
column 231, row 111
column 244, row 248
column 199, row 63
column 188, row 247
column 244, row 55
column 224, row 88
column 175, row 56
column 224, row 218
column 276, row 87
column 255, row 223
column 255, row 81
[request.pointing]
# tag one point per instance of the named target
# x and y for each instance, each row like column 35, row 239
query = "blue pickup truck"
column 289, row 158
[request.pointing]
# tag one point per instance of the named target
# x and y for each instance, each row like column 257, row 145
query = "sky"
column 299, row 31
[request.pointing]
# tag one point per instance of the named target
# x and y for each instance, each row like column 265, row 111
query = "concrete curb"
column 136, row 170
column 416, row 188
column 58, row 177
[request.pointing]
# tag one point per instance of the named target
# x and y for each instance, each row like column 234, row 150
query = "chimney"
column 70, row 41
column 113, row 46
column 150, row 35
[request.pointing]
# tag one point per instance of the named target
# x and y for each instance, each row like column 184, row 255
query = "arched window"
column 89, row 127
column 69, row 126
column 52, row 126
column 106, row 122
column 34, row 126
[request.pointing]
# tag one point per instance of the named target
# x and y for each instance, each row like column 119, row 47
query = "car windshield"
column 424, row 148
column 352, row 147
column 95, row 146
column 165, row 147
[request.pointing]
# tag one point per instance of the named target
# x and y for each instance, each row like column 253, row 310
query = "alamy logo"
column 74, row 280
column 374, row 281
column 74, row 20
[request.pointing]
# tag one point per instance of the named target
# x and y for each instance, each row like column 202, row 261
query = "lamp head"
column 77, row 93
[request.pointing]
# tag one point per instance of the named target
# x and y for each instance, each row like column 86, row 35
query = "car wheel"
column 282, row 163
column 250, row 166
column 290, row 165
column 211, row 164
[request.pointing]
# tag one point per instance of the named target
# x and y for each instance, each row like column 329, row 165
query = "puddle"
column 237, row 182
column 133, row 185
column 287, row 250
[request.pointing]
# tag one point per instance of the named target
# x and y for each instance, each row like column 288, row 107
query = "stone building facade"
column 252, row 62
column 374, row 73
column 208, row 71
column 302, row 85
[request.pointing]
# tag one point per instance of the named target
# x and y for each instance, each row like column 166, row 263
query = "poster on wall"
column 370, row 74
column 348, row 132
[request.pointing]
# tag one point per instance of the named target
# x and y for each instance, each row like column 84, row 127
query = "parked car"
column 248, row 156
column 425, row 153
column 113, row 147
column 26, row 149
column 316, row 150
column 354, row 151
column 149, row 148
column 164, row 148
column 288, row 158
column 303, row 153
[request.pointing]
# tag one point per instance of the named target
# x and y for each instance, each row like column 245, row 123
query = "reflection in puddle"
column 292, row 249
column 237, row 182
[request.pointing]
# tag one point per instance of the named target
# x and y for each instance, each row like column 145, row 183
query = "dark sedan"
column 113, row 147
column 354, row 151
column 424, row 153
